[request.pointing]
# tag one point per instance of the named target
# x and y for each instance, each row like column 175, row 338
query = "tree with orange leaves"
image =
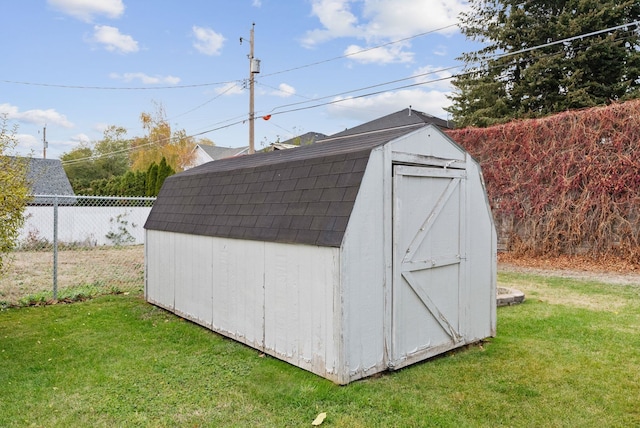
column 161, row 142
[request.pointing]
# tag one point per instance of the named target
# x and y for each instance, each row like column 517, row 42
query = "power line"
column 361, row 51
column 152, row 143
column 199, row 85
column 390, row 82
column 235, row 85
column 568, row 39
column 117, row 88
column 243, row 121
column 496, row 56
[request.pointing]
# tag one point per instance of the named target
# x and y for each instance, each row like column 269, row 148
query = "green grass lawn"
column 569, row 356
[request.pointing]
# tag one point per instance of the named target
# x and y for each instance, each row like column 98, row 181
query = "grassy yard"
column 569, row 356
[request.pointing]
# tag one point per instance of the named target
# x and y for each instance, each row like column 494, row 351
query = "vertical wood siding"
column 278, row 298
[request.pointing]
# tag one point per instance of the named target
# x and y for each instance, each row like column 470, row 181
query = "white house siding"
column 200, row 157
column 275, row 297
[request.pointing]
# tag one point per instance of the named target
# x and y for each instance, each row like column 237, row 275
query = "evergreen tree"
column 164, row 171
column 545, row 78
column 134, row 183
column 140, row 183
column 152, row 176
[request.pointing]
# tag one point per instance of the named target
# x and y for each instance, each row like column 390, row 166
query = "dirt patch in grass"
column 31, row 272
column 607, row 270
column 546, row 292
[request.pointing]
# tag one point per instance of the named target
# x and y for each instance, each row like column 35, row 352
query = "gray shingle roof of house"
column 217, row 153
column 304, row 139
column 303, row 195
column 47, row 177
column 406, row 117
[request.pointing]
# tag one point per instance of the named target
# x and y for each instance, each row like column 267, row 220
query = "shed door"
column 428, row 239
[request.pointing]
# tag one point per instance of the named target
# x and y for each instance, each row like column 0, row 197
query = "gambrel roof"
column 303, row 195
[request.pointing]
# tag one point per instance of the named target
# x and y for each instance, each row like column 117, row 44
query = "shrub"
column 564, row 184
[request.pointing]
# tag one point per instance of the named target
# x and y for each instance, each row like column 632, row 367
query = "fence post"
column 55, row 248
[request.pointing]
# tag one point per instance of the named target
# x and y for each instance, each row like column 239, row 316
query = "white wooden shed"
column 346, row 258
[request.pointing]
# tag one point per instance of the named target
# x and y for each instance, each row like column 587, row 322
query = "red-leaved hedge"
column 565, row 184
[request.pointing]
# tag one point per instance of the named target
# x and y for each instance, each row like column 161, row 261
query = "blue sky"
column 78, row 66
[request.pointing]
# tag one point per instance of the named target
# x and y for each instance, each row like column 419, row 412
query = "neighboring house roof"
column 304, row 139
column 400, row 118
column 292, row 143
column 278, row 146
column 48, row 177
column 217, row 152
column 203, row 153
column 302, row 196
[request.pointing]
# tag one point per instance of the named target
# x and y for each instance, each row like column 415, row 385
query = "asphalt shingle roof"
column 304, row 139
column 303, row 195
column 47, row 177
column 217, row 152
column 406, row 117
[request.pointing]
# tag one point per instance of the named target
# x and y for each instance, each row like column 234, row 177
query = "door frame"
column 427, row 166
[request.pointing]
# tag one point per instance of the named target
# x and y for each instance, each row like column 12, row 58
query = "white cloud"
column 78, row 138
column 70, row 143
column 85, row 10
column 113, row 40
column 365, row 109
column 37, row 117
column 229, row 89
column 381, row 55
column 31, row 145
column 402, row 18
column 284, row 91
column 145, row 79
column 337, row 19
column 379, row 21
column 9, row 110
column 207, row 41
column 256, row 3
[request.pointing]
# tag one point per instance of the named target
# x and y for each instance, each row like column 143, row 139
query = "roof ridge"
column 376, row 131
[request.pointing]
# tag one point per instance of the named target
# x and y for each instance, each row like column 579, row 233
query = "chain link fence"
column 75, row 247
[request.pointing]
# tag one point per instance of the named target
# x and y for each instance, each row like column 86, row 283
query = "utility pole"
column 44, row 142
column 254, row 68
